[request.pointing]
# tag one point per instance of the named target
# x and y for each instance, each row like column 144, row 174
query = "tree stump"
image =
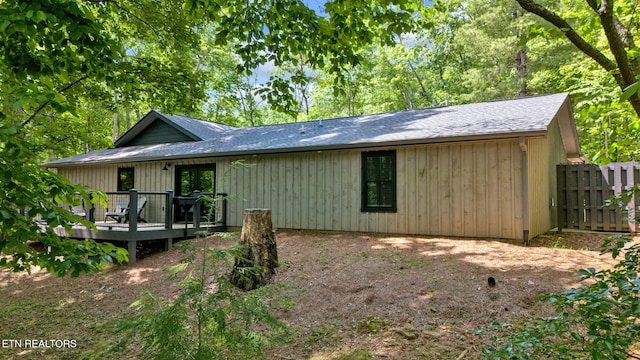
column 259, row 258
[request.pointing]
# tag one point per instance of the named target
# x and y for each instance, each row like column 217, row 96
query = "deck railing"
column 135, row 216
column 136, row 210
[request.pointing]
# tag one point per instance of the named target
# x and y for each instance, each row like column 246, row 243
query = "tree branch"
column 61, row 90
column 153, row 29
column 621, row 68
column 570, row 34
column 617, row 46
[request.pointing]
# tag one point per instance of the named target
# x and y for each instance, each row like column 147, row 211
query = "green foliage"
column 31, row 200
column 288, row 32
column 598, row 320
column 630, row 90
column 609, row 128
column 603, row 62
column 47, row 48
column 210, row 319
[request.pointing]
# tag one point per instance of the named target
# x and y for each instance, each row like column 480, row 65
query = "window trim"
column 364, row 207
column 133, row 175
column 179, row 168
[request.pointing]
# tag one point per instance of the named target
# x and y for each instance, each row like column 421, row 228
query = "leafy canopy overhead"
column 287, row 32
column 61, row 60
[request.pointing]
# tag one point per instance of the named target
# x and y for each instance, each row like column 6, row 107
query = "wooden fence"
column 583, row 191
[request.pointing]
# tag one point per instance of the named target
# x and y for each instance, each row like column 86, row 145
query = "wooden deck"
column 150, row 232
column 137, row 230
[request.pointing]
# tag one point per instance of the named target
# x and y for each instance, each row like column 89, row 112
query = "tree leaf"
column 629, row 91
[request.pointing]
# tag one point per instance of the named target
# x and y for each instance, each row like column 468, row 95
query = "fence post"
column 631, row 206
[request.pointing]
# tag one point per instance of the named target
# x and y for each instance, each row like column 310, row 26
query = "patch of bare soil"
column 354, row 295
column 401, row 297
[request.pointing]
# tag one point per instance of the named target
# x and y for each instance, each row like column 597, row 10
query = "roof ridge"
column 405, row 111
column 501, row 119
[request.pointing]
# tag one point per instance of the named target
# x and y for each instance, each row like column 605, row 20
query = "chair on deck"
column 141, row 204
column 120, row 211
column 79, row 210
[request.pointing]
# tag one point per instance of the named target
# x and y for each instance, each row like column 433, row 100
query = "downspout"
column 525, row 191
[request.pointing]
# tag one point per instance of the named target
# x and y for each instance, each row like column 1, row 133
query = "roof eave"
column 251, row 152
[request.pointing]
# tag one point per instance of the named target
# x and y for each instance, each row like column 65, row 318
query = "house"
column 477, row 170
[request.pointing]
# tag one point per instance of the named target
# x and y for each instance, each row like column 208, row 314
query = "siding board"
column 434, row 192
column 493, row 191
column 335, row 191
column 468, row 207
column 422, row 190
column 480, row 189
column 354, row 184
column 409, row 220
column 444, row 180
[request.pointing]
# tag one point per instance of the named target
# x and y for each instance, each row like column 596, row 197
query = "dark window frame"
column 392, row 203
column 178, row 176
column 179, row 214
column 121, row 186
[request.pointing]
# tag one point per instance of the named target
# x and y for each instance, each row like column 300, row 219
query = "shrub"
column 210, row 319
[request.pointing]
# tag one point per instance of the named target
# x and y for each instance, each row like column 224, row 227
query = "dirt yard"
column 355, row 296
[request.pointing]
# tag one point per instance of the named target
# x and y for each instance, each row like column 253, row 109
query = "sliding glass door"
column 190, row 178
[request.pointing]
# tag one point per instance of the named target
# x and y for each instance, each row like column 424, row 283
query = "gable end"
column 153, row 129
column 159, row 132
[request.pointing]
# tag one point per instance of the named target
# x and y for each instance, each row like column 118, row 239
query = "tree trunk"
column 259, row 258
column 116, row 119
column 127, row 114
column 521, row 66
column 622, row 69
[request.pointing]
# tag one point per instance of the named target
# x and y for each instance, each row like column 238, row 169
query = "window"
column 195, row 177
column 125, row 179
column 379, row 181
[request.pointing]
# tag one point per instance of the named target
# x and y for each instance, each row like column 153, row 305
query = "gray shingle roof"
column 192, row 128
column 203, row 129
column 495, row 119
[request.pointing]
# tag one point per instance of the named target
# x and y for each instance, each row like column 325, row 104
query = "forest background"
column 76, row 74
column 178, row 57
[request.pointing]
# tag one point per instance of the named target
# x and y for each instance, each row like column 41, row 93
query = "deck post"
column 92, row 209
column 132, row 215
column 196, row 209
column 133, row 225
column 132, row 252
column 168, row 220
column 222, row 197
